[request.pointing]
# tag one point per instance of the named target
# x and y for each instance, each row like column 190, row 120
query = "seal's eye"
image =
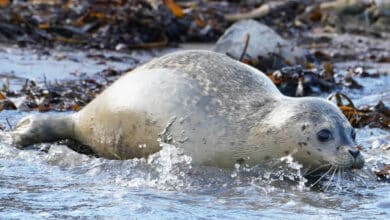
column 353, row 134
column 324, row 135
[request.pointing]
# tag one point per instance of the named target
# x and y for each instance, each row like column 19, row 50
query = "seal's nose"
column 354, row 153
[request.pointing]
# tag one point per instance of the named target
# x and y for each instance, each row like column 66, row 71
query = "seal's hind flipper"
column 42, row 128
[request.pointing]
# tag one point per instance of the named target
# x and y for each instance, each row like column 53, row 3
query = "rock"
column 264, row 44
column 383, row 18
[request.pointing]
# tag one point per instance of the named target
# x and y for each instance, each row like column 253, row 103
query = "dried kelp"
column 68, row 95
column 373, row 116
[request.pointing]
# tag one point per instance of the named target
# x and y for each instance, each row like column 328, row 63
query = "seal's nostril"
column 354, row 153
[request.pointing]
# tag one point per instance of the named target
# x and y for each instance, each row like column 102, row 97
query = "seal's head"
column 318, row 134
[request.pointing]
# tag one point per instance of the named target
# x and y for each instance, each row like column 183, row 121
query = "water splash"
column 283, row 173
column 166, row 170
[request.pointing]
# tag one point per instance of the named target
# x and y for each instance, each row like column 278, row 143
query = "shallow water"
column 64, row 184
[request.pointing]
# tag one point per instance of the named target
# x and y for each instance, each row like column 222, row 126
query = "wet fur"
column 218, row 110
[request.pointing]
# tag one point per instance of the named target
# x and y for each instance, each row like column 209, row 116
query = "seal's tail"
column 40, row 128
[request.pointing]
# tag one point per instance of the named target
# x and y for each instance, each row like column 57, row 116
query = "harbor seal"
column 218, row 110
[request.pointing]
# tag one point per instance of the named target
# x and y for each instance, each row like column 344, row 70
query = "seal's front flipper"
column 40, row 128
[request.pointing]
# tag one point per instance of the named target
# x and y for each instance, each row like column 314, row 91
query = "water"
column 60, row 184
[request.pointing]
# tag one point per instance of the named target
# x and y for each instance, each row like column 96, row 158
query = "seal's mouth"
column 348, row 158
column 349, row 162
column 356, row 164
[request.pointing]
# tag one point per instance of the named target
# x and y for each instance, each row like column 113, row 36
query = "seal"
column 218, row 110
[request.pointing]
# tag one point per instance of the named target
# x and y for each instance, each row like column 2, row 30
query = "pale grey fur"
column 218, row 110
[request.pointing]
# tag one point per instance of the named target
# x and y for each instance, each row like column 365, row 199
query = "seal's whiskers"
column 338, row 186
column 319, row 179
column 316, row 169
column 330, row 180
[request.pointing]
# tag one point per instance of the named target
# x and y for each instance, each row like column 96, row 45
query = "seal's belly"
column 129, row 134
column 159, row 106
